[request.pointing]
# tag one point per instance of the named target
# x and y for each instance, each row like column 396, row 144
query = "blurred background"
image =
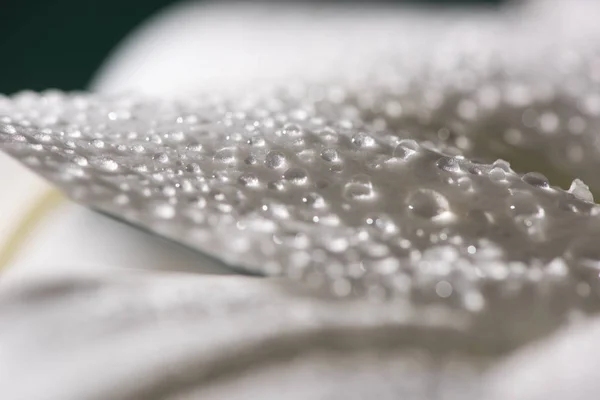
column 61, row 43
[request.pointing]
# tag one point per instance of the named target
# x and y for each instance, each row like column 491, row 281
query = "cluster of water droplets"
column 273, row 186
column 367, row 186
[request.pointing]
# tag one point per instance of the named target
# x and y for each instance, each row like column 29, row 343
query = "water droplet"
column 503, row 165
column 194, row 147
column 330, row 155
column 97, row 143
column 276, row 185
column 161, row 158
column 249, row 180
column 275, row 159
column 448, row 164
column 106, row 163
column 327, row 135
column 256, row 141
column 581, row 191
column 292, row 238
column 193, row 168
column 363, row 140
column 405, row 149
column 80, row 160
column 536, row 179
column 427, row 203
column 497, row 175
column 297, row 176
column 359, row 188
column 313, row 200
column 292, row 130
column 225, row 155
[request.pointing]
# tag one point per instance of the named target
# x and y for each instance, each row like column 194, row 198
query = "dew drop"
column 275, row 159
column 106, row 163
column 448, row 164
column 405, row 149
column 248, row 180
column 536, row 179
column 581, row 191
column 330, row 155
column 161, row 158
column 256, row 141
column 359, row 188
column 80, row 160
column 497, row 174
column 427, row 203
column 313, row 200
column 327, row 135
column 278, row 185
column 225, row 155
column 295, row 175
column 362, row 140
column 292, row 130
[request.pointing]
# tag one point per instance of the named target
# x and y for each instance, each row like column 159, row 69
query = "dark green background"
column 60, row 43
